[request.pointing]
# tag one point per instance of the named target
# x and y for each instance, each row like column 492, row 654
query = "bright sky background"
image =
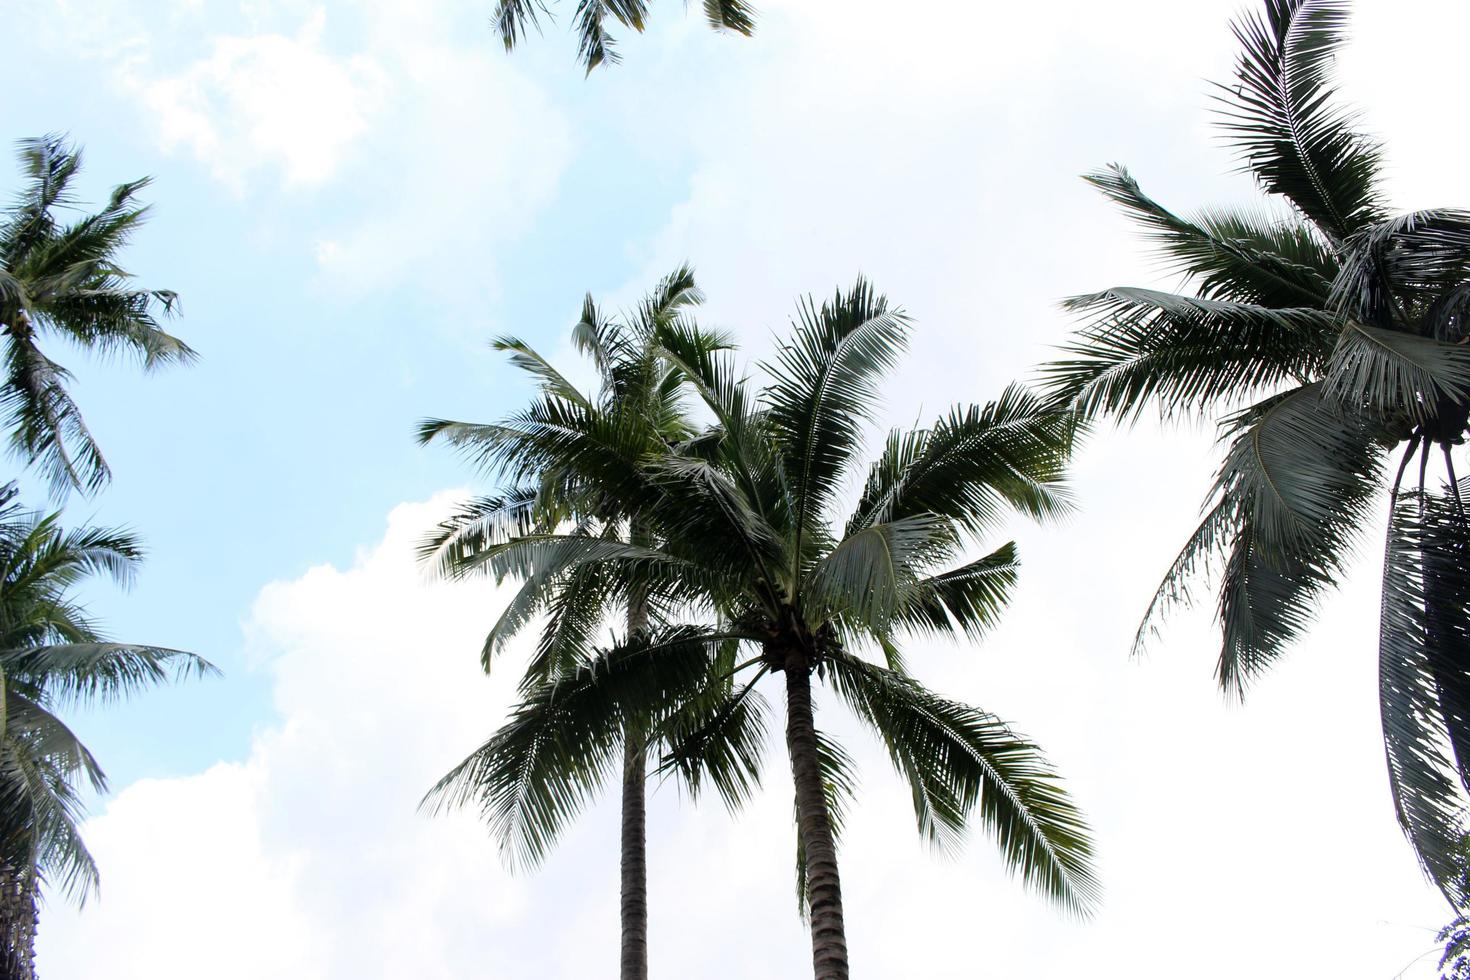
column 353, row 197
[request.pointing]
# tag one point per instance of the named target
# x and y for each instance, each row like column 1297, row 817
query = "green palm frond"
column 1283, row 120
column 825, row 385
column 552, row 381
column 957, row 760
column 66, row 280
column 1392, row 373
column 1424, row 695
column 1203, row 553
column 867, row 576
column 99, row 672
column 972, row 464
column 566, row 735
column 1299, row 476
column 1396, row 271
column 719, row 739
column 966, row 601
column 1184, row 354
column 1233, row 256
column 480, row 523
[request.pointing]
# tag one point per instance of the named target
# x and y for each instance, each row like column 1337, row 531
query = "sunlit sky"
column 352, row 198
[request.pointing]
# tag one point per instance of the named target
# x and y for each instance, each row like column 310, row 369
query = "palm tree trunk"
column 17, row 924
column 634, row 962
column 634, row 860
column 814, row 824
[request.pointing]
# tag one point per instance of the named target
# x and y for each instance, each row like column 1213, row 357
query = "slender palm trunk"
column 18, row 915
column 634, row 861
column 634, row 960
column 814, row 824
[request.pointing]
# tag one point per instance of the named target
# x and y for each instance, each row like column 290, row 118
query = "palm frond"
column 974, row 463
column 552, row 381
column 1424, row 644
column 1183, row 354
column 868, row 574
column 958, row 759
column 565, row 738
column 1299, row 476
column 731, row 15
column 1282, row 119
column 101, row 672
column 966, row 601
column 825, row 385
column 1231, row 255
column 1393, row 373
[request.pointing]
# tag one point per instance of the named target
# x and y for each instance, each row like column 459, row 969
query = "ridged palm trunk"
column 813, row 823
column 633, row 907
column 18, row 914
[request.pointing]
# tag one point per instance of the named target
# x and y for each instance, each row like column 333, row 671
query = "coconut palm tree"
column 60, row 279
column 52, row 656
column 514, row 19
column 554, row 457
column 1319, row 335
column 744, row 526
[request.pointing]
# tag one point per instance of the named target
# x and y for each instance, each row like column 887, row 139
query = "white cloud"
column 265, row 101
column 310, row 853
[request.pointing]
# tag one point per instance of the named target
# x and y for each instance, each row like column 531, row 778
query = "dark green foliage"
column 1318, row 337
column 52, row 656
column 593, row 19
column 65, row 280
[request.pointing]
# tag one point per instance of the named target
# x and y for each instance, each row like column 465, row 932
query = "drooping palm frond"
column 719, row 737
column 479, row 523
column 956, row 760
column 1396, row 271
column 867, row 576
column 1424, row 688
column 1299, row 475
column 1282, row 118
column 1392, row 373
column 566, row 735
column 514, row 20
column 731, row 15
column 966, row 601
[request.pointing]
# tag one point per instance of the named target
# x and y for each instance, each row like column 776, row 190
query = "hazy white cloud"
column 308, row 859
column 266, row 100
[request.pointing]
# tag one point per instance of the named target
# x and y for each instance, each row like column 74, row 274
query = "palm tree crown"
column 52, row 656
column 1319, row 336
column 552, row 455
column 64, row 280
column 743, row 526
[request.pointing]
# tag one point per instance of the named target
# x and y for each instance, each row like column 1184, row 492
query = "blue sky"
column 352, row 198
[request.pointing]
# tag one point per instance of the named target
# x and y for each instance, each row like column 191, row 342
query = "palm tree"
column 64, row 280
column 553, row 456
column 742, row 525
column 52, row 656
column 1319, row 336
column 514, row 19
